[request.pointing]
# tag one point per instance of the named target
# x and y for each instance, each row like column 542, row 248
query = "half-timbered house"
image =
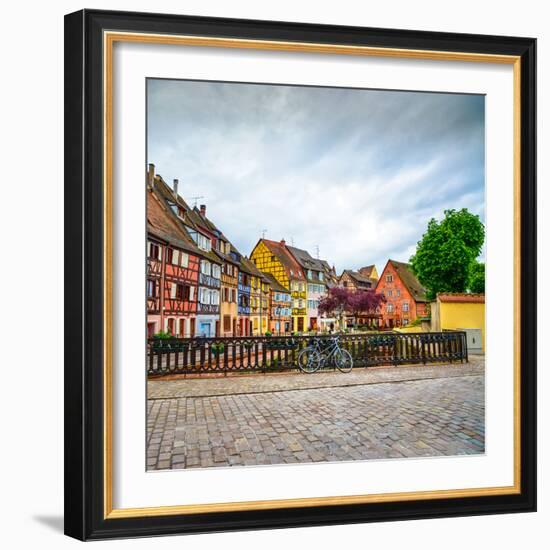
column 405, row 297
column 274, row 257
column 316, row 288
column 172, row 273
column 209, row 279
column 280, row 307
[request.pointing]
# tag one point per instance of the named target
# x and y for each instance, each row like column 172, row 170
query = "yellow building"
column 453, row 311
column 274, row 257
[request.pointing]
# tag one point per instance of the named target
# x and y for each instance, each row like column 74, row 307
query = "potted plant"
column 217, row 348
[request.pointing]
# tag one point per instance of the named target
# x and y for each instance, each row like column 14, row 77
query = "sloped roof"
column 357, row 277
column 278, row 287
column 367, row 271
column 417, row 291
column 305, row 259
column 279, row 250
column 192, row 219
column 249, row 267
column 161, row 225
column 463, row 298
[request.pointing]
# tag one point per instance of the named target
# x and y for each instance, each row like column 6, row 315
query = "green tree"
column 447, row 252
column 476, row 282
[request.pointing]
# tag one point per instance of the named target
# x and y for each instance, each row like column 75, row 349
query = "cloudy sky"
column 357, row 173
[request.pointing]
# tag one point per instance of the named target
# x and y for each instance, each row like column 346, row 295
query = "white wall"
column 31, row 212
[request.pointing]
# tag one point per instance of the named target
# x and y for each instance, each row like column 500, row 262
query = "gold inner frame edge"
column 109, row 39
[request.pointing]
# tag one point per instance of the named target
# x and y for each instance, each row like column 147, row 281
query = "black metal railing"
column 279, row 353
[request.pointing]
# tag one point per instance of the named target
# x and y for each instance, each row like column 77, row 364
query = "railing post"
column 422, row 339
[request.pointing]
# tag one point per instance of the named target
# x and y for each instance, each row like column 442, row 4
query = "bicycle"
column 321, row 351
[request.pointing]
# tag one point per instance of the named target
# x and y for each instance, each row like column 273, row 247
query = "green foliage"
column 163, row 335
column 268, row 333
column 476, row 282
column 447, row 252
column 218, row 348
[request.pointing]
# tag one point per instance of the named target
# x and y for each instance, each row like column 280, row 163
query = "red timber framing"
column 172, row 272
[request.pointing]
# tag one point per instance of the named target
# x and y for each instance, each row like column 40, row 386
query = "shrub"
column 163, row 335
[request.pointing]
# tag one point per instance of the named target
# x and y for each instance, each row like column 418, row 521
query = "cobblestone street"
column 390, row 412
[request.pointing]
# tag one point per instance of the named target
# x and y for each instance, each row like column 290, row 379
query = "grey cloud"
column 357, row 172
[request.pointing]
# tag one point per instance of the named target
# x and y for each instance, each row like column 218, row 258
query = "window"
column 405, row 306
column 153, row 251
column 205, row 267
column 152, row 289
column 321, row 276
column 389, row 278
column 169, row 255
column 390, row 293
column 405, row 322
column 216, row 271
column 202, row 295
column 398, row 292
column 203, row 242
column 389, row 308
column 226, row 323
column 184, row 259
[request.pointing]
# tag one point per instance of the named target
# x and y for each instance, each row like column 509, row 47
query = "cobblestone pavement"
column 434, row 416
column 255, row 383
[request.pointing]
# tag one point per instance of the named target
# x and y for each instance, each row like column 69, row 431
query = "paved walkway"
column 372, row 413
column 259, row 383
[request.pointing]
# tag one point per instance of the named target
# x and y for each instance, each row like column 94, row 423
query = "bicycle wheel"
column 309, row 360
column 344, row 361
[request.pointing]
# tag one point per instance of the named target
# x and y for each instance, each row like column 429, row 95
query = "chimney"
column 203, row 210
column 151, row 175
column 175, row 188
column 283, row 242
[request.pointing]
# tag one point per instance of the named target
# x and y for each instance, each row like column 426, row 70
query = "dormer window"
column 203, row 242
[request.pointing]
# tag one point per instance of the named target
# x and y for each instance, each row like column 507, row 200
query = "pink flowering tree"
column 340, row 301
column 365, row 302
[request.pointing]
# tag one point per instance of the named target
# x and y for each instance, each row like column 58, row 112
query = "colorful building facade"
column 317, row 277
column 405, row 297
column 275, row 258
column 280, row 307
column 245, row 325
column 172, row 273
column 457, row 311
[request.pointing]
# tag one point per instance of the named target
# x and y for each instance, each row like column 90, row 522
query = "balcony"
column 208, row 308
column 208, row 280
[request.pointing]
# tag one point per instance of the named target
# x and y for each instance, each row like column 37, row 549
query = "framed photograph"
column 300, row 274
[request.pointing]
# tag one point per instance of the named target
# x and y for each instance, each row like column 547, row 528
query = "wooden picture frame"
column 89, row 39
